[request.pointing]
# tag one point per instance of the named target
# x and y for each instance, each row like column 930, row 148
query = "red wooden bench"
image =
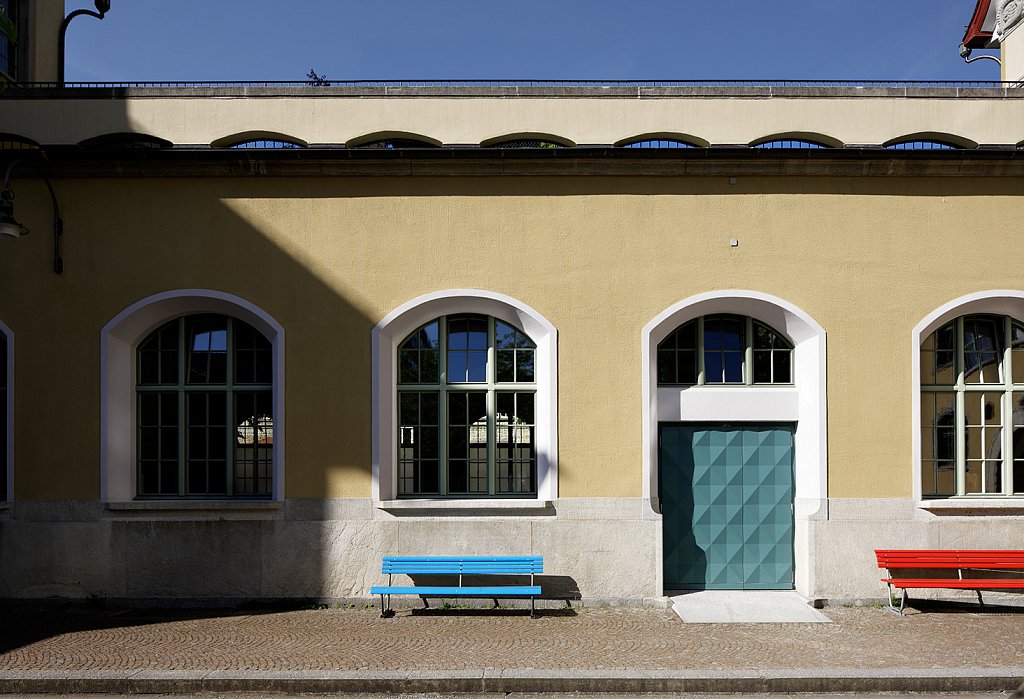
column 973, row 571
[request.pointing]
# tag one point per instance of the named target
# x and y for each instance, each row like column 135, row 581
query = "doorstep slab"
column 745, row 607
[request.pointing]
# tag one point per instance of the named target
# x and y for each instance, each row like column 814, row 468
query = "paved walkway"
column 930, row 650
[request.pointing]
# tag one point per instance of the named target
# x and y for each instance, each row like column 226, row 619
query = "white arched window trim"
column 118, row 342
column 8, row 336
column 1005, row 302
column 397, row 325
column 803, row 402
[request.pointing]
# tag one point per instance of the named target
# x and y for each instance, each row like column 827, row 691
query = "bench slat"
column 501, row 591
column 950, row 559
column 956, row 584
column 467, row 565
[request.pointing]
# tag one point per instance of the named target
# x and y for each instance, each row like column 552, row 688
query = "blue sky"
column 528, row 39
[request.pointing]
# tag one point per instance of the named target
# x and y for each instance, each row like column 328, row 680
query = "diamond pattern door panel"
column 727, row 503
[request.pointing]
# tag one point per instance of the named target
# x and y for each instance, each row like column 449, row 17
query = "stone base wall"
column 594, row 549
column 310, row 549
column 844, row 544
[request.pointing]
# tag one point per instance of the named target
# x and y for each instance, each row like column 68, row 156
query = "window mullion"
column 491, row 401
column 230, row 435
column 442, row 406
column 748, row 353
column 701, row 378
column 961, row 412
column 1007, row 407
column 182, row 364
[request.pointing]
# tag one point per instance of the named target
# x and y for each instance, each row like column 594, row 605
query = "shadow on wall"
column 125, row 240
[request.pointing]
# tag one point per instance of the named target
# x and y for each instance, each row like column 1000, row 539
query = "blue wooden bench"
column 460, row 566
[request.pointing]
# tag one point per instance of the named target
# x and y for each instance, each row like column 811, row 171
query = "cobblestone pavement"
column 512, row 695
column 582, row 639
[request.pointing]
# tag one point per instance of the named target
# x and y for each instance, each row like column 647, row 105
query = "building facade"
column 668, row 337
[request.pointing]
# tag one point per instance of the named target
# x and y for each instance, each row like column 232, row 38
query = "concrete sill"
column 466, row 507
column 193, row 505
column 957, row 506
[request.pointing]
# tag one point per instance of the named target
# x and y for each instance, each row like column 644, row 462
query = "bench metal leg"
column 981, row 602
column 533, row 607
column 903, row 601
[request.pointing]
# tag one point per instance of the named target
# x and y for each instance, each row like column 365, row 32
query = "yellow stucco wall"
column 598, row 257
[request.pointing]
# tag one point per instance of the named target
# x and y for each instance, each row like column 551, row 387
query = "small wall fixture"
column 965, row 53
column 12, row 228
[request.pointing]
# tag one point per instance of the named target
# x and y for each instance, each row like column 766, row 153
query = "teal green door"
column 727, row 506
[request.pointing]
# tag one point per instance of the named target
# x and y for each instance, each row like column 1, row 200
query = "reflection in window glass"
column 969, row 440
column 458, row 440
column 516, row 443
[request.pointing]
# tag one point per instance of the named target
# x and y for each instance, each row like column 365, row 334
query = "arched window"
column 724, row 349
column 466, row 409
column 526, row 143
column 922, row 145
column 659, row 143
column 10, row 141
column 125, row 141
column 972, row 408
column 394, row 143
column 264, row 143
column 790, row 143
column 204, row 415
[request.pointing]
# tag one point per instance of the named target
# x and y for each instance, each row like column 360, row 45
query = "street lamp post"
column 102, row 7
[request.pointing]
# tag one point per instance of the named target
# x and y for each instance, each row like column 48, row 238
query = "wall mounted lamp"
column 965, row 53
column 102, row 8
column 11, row 228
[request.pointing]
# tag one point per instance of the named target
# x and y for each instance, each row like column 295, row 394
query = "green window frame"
column 466, row 409
column 972, row 408
column 3, row 415
column 204, row 410
column 725, row 350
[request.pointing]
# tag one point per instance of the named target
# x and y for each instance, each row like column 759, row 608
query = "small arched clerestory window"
column 790, row 144
column 923, row 145
column 205, row 417
column 724, row 349
column 658, row 143
column 264, row 143
column 394, row 144
column 125, row 141
column 10, row 141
